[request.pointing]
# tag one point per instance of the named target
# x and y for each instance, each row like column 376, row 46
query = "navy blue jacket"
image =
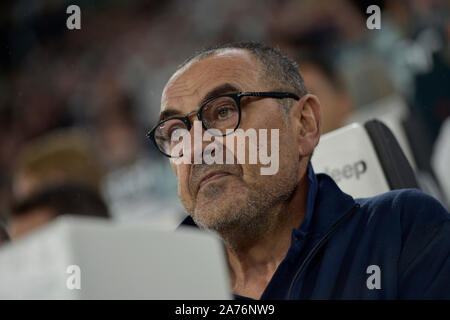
column 392, row 246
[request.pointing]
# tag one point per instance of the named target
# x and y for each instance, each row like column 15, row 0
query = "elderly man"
column 292, row 234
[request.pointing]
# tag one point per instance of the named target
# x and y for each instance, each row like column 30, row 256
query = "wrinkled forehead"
column 188, row 86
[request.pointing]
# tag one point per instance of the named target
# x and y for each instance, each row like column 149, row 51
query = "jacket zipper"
column 318, row 246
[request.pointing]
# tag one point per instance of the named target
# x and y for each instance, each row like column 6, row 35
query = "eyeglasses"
column 222, row 113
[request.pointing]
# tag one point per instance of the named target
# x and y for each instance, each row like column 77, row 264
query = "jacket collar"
column 326, row 204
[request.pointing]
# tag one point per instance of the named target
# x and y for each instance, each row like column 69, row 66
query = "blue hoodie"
column 392, row 246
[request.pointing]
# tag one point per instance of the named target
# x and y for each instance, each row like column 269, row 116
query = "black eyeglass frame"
column 235, row 96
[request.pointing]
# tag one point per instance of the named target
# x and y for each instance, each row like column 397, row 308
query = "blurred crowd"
column 75, row 105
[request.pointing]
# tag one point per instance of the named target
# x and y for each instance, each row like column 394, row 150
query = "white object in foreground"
column 115, row 262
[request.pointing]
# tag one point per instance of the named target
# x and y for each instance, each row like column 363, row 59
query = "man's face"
column 220, row 197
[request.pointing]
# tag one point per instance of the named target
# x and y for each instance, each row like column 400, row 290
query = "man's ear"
column 307, row 123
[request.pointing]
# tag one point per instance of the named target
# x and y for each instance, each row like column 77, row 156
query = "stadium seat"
column 364, row 160
column 412, row 136
column 392, row 111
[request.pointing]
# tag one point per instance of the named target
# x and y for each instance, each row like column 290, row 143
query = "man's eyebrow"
column 217, row 91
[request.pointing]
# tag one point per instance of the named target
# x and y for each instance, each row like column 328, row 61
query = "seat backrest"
column 412, row 135
column 363, row 160
column 392, row 111
column 396, row 167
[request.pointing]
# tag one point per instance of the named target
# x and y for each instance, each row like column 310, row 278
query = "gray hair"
column 278, row 69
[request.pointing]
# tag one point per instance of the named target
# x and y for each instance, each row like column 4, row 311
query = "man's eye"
column 224, row 113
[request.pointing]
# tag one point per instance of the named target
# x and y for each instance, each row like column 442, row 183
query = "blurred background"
column 75, row 104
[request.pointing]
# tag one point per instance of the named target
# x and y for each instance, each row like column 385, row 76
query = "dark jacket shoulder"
column 424, row 223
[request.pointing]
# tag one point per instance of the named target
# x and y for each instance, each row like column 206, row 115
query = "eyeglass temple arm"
column 276, row 95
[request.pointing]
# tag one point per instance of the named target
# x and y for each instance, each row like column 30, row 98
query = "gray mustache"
column 198, row 171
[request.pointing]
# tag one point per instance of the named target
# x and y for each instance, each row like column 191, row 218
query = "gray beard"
column 243, row 223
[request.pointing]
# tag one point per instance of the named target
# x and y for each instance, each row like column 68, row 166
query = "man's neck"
column 253, row 264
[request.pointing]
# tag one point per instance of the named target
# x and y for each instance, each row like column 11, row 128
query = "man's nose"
column 197, row 143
